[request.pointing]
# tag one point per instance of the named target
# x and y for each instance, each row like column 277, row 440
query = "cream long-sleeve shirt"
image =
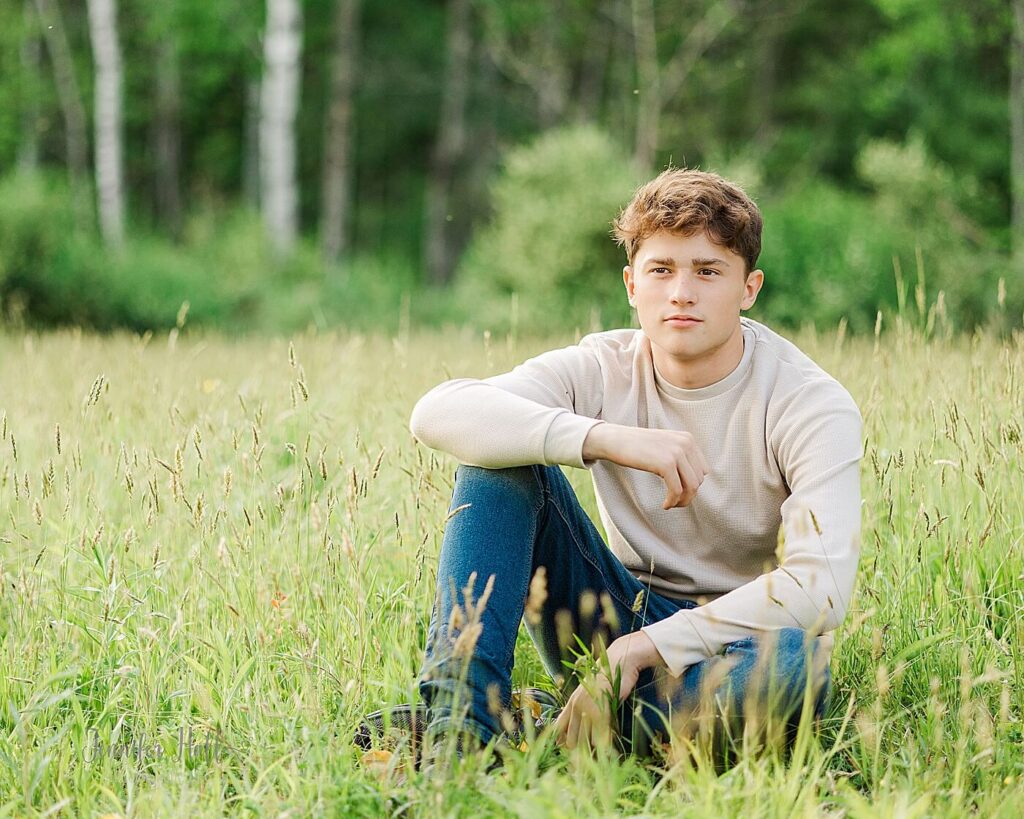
column 783, row 442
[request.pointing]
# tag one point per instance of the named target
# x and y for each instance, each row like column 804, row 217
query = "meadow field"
column 217, row 554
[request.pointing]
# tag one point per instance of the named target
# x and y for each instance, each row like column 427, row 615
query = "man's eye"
column 708, row 270
column 661, row 269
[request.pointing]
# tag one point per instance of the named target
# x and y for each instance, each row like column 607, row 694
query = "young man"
column 705, row 432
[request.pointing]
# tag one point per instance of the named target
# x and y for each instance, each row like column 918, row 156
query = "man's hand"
column 674, row 456
column 586, row 717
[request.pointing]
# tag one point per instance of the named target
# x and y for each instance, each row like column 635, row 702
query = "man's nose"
column 683, row 290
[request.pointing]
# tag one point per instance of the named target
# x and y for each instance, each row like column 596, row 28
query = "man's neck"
column 711, row 367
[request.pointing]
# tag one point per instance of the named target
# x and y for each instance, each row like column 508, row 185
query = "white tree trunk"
column 1017, row 131
column 279, row 102
column 109, row 170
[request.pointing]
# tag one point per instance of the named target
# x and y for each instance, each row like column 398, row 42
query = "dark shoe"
column 532, row 707
column 405, row 725
column 399, row 724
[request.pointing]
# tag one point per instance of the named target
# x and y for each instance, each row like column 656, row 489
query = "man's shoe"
column 532, row 706
column 405, row 725
column 397, row 725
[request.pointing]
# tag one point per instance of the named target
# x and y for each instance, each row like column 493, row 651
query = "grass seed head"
column 467, row 640
column 538, row 594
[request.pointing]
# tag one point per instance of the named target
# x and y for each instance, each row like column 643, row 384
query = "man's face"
column 693, row 276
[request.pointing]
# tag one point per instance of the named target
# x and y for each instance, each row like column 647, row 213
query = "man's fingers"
column 691, row 479
column 562, row 725
column 583, row 736
column 683, row 482
column 675, row 488
column 573, row 730
column 582, row 720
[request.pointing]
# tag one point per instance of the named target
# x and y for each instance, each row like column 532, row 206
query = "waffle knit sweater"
column 771, row 539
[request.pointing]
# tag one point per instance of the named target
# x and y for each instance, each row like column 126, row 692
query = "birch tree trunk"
column 279, row 102
column 70, row 99
column 28, row 145
column 336, row 193
column 167, row 137
column 449, row 147
column 107, row 119
column 1017, row 132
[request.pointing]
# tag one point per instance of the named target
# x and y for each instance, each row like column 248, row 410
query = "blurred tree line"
column 280, row 162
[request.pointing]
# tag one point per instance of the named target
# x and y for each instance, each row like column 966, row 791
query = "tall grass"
column 239, row 538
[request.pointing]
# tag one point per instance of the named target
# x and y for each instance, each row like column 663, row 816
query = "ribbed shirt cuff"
column 680, row 645
column 563, row 443
column 677, row 642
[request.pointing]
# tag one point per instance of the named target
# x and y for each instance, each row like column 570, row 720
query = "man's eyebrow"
column 698, row 262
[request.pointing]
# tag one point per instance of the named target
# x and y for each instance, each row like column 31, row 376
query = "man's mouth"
column 682, row 321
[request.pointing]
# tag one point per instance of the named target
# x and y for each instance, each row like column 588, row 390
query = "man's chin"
column 688, row 343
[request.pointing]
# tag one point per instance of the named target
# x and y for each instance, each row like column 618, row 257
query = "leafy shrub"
column 825, row 257
column 831, row 253
column 917, row 200
column 549, row 239
column 55, row 271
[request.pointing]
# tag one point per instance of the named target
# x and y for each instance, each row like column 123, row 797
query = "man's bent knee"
column 515, row 478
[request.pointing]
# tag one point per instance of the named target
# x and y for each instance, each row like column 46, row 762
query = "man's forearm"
column 483, row 425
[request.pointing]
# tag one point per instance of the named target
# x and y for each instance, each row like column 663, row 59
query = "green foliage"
column 53, row 271
column 831, row 253
column 37, row 231
column 824, row 258
column 549, row 239
column 849, row 180
column 917, row 201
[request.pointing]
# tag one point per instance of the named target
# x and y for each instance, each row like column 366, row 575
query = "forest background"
column 274, row 166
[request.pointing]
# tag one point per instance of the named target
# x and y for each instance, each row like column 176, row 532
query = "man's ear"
column 751, row 287
column 627, row 279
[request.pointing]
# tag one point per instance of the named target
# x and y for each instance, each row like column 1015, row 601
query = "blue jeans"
column 514, row 521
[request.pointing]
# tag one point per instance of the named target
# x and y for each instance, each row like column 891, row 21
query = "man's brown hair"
column 685, row 201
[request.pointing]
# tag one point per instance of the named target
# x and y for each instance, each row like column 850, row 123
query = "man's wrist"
column 640, row 650
column 595, row 444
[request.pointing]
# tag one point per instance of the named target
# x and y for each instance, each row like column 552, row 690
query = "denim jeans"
column 507, row 523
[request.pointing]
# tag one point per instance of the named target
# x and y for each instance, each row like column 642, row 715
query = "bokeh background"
column 270, row 166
